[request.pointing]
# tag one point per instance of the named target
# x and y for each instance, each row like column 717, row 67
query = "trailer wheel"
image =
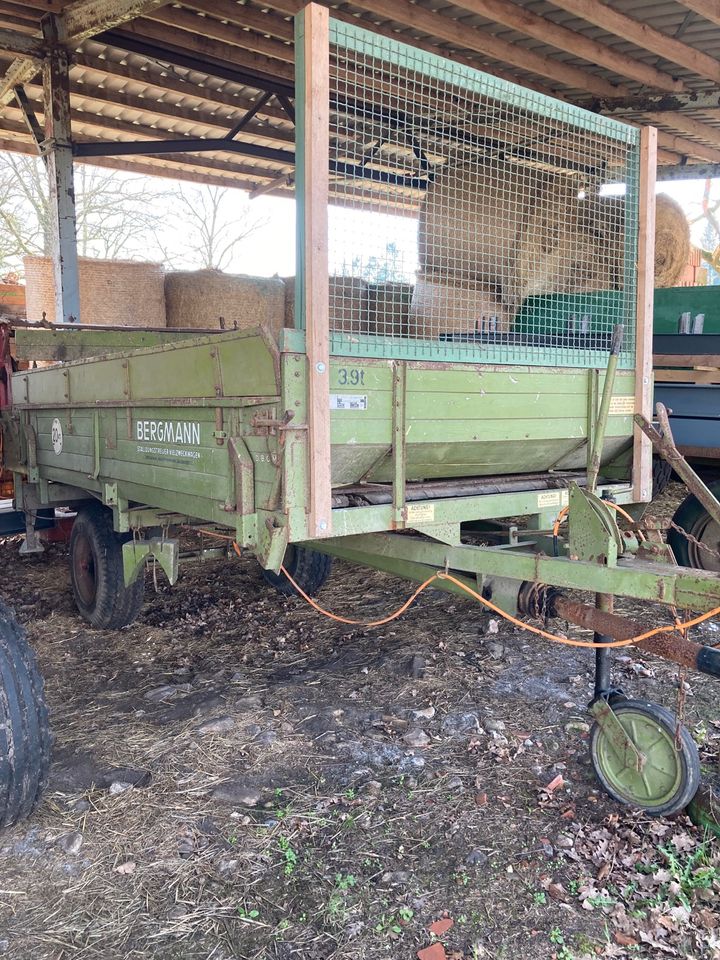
column 661, row 476
column 308, row 568
column 96, row 572
column 693, row 518
column 25, row 740
column 670, row 775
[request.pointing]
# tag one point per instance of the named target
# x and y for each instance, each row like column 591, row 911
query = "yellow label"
column 420, row 512
column 552, row 498
column 622, row 406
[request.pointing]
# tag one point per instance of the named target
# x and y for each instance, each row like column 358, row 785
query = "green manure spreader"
column 476, row 434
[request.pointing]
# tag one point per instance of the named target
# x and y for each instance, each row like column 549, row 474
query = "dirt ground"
column 237, row 777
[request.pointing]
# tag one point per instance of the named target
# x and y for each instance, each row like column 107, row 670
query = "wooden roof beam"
column 708, row 10
column 166, row 109
column 643, row 36
column 169, row 82
column 245, row 16
column 78, row 21
column 210, row 49
column 688, row 125
column 532, row 25
column 688, row 148
column 209, row 27
column 411, row 16
column 291, row 7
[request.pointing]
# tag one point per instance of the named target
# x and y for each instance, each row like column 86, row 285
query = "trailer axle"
column 668, row 646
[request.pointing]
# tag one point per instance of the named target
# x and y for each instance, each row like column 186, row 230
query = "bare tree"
column 118, row 214
column 213, row 222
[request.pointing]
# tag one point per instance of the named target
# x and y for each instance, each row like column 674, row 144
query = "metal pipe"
column 603, row 603
column 604, row 412
column 664, row 443
column 669, row 646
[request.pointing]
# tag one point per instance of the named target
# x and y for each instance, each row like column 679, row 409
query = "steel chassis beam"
column 417, row 558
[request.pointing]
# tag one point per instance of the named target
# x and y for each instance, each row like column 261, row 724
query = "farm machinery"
column 495, row 444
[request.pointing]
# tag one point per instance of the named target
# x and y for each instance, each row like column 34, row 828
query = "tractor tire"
column 308, row 568
column 692, row 517
column 96, row 571
column 25, row 741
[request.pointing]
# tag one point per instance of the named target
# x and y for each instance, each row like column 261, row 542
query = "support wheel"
column 96, row 571
column 25, row 740
column 670, row 776
column 308, row 568
column 692, row 517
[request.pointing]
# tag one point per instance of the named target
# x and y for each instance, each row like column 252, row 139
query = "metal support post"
column 604, row 602
column 57, row 149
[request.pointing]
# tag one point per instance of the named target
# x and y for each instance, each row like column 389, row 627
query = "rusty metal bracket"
column 664, row 443
column 615, row 732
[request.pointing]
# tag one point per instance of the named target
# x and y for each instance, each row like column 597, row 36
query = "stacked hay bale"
column 492, row 234
column 489, row 235
column 348, row 304
column 202, row 299
column 389, row 308
column 124, row 293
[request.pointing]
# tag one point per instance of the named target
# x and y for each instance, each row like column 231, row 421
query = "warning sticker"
column 420, row 512
column 347, row 401
column 552, row 498
column 622, row 406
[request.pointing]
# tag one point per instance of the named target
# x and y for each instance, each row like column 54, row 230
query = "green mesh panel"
column 472, row 219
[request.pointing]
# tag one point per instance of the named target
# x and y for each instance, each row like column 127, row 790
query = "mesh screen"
column 472, row 219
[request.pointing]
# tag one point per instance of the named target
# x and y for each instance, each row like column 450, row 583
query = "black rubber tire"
column 96, row 571
column 308, row 568
column 661, row 475
column 687, row 754
column 25, row 740
column 692, row 517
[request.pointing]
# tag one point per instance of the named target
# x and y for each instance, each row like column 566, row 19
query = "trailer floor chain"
column 25, row 739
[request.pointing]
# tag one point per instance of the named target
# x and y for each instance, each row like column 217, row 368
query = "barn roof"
column 223, row 69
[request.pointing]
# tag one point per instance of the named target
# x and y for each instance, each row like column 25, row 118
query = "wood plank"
column 686, row 360
column 687, row 376
column 533, row 25
column 643, row 35
column 313, row 111
column 709, row 9
column 642, row 448
column 688, row 125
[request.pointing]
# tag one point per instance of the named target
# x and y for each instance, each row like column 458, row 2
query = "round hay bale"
column 124, row 293
column 672, row 241
column 201, row 299
column 473, row 218
column 463, row 306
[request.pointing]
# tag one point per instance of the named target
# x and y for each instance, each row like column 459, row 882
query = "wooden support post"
column 312, row 49
column 642, row 448
column 57, row 149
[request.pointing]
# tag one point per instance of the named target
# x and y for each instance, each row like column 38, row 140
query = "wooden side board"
column 642, row 448
column 314, row 83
